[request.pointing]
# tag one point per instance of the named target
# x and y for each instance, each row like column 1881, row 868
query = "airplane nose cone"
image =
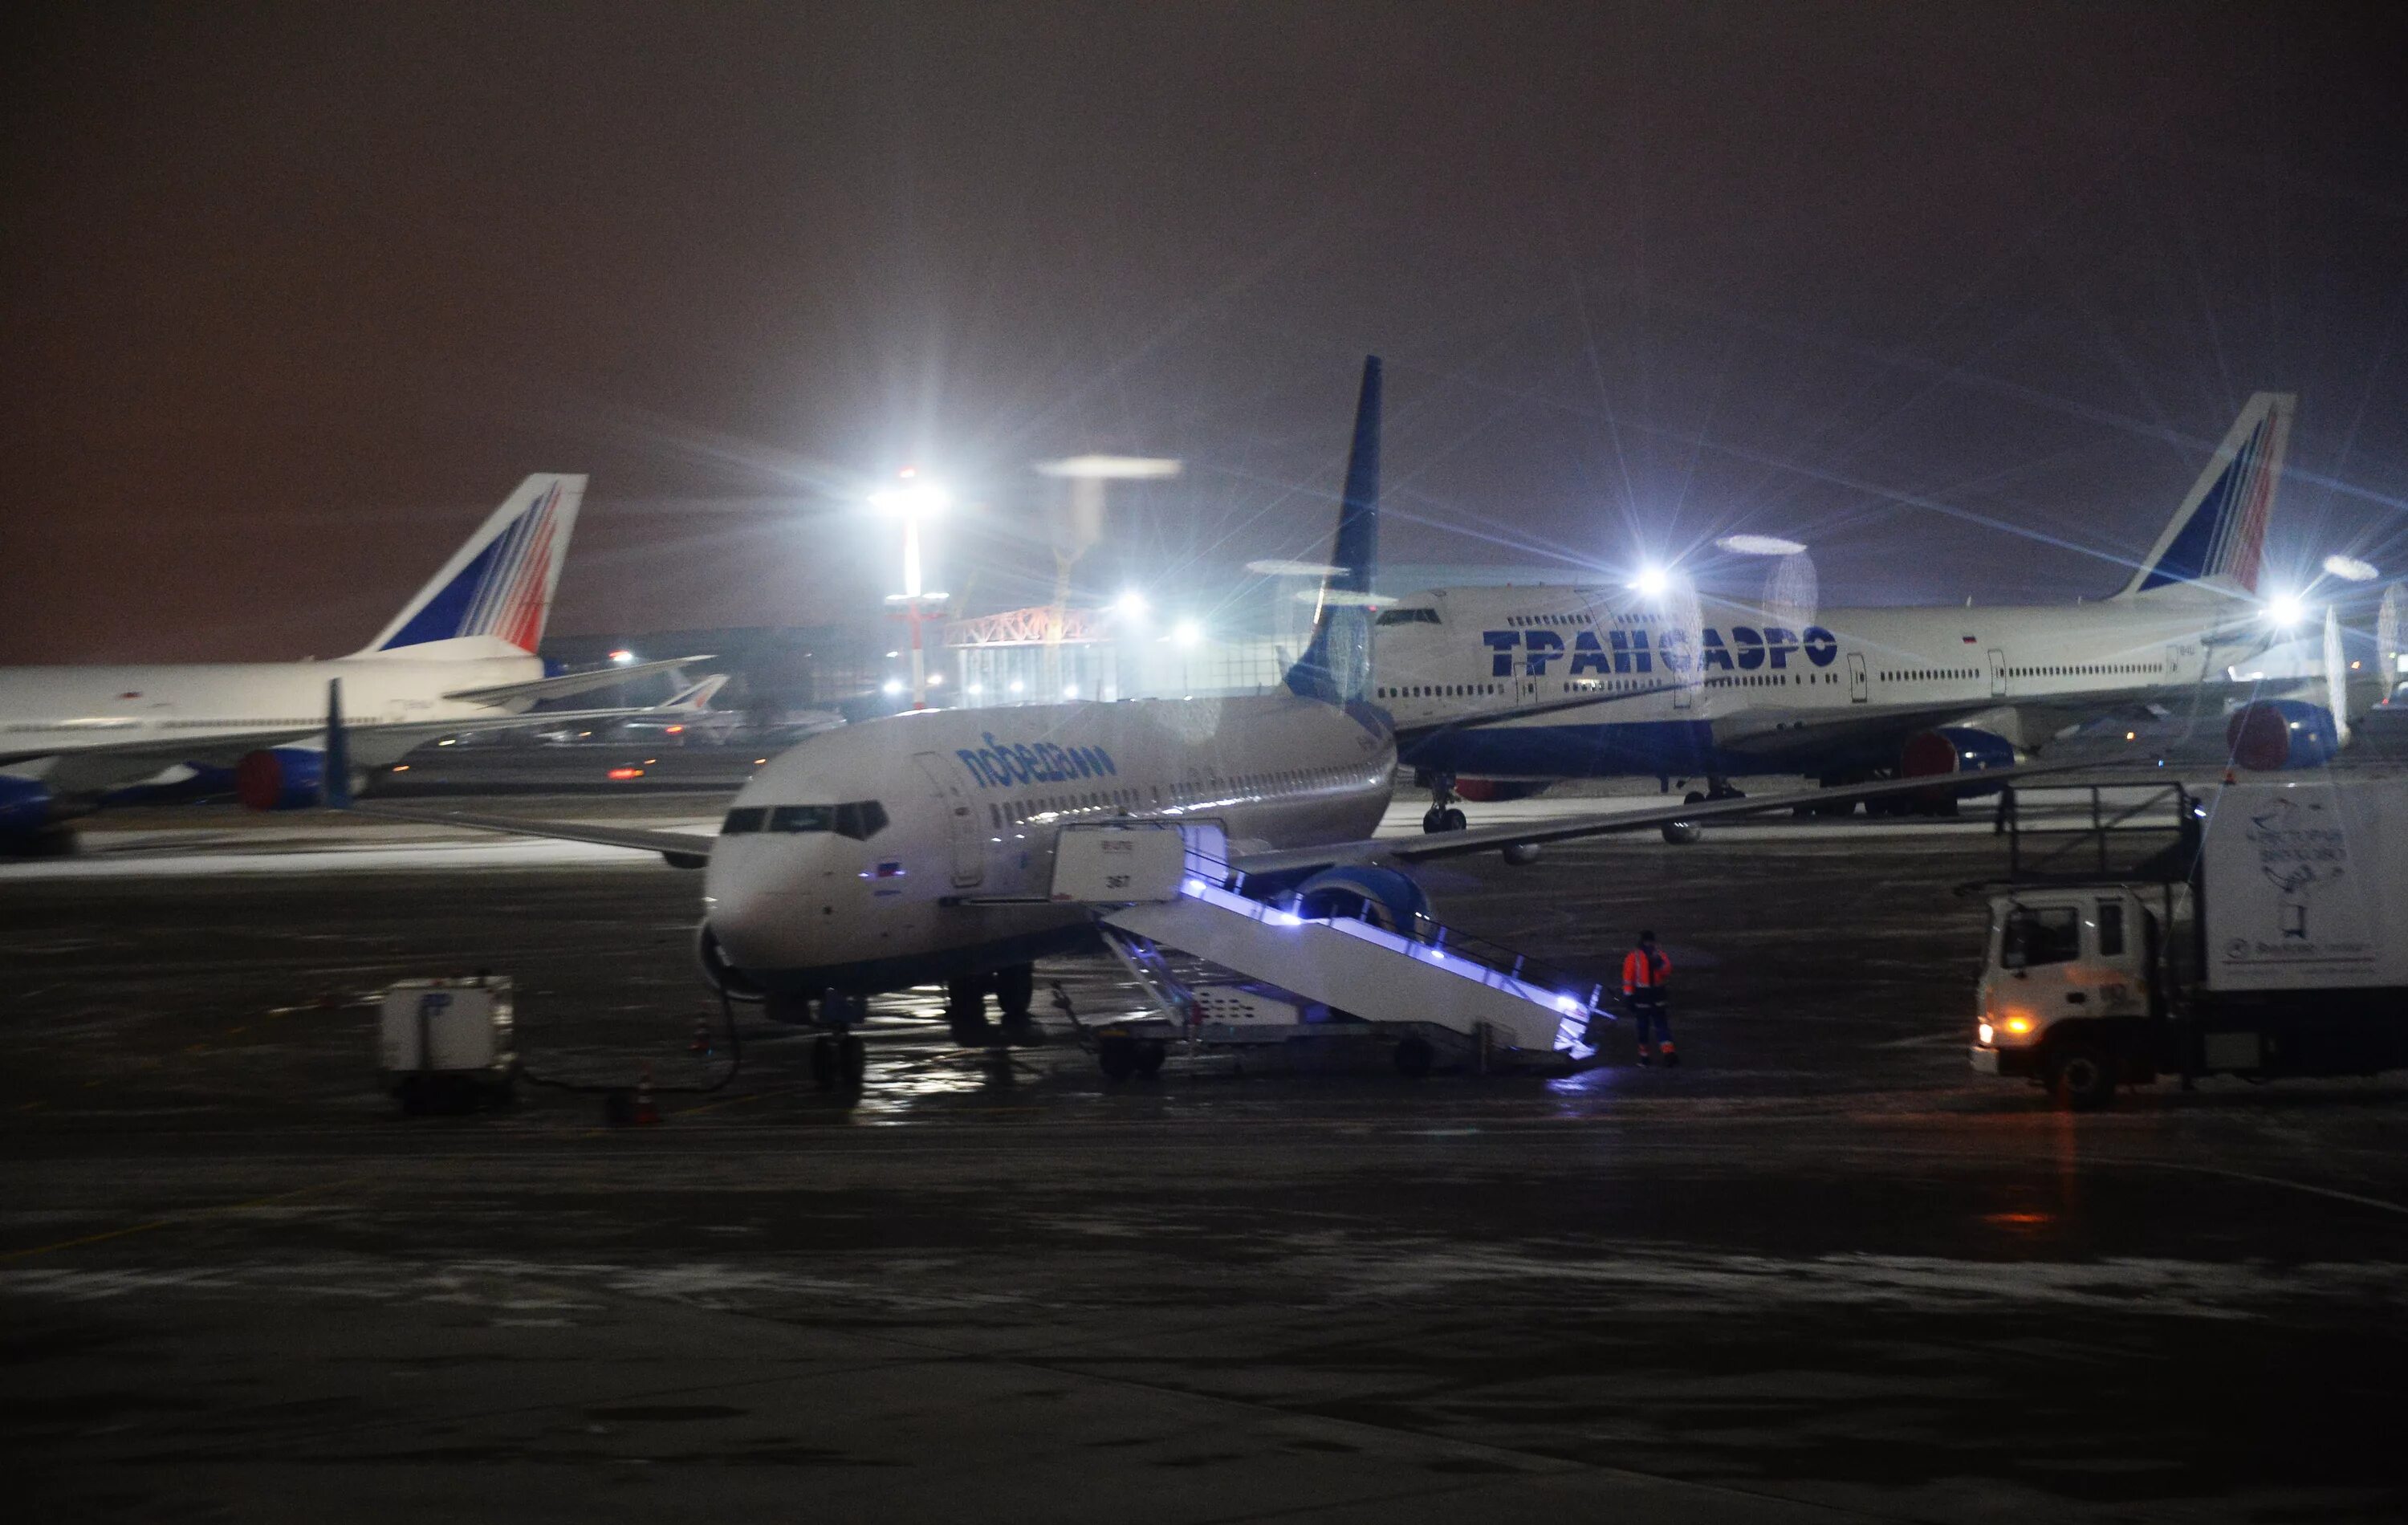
column 757, row 911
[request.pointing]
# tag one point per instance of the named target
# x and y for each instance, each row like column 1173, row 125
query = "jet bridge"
column 1159, row 885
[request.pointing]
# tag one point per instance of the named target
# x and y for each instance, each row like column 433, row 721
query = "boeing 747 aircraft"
column 459, row 655
column 1538, row 683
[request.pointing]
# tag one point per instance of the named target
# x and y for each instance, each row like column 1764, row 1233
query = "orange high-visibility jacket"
column 1639, row 975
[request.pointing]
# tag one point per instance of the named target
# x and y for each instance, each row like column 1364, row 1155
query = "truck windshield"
column 2048, row 935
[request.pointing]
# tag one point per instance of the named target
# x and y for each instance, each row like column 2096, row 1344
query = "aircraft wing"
column 567, row 684
column 681, row 849
column 1443, row 844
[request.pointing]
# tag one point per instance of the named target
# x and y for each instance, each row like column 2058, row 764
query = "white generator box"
column 447, row 1028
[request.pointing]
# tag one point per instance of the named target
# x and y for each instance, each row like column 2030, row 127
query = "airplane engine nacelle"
column 2270, row 734
column 1489, row 791
column 281, row 778
column 1955, row 749
column 25, row 807
column 1382, row 897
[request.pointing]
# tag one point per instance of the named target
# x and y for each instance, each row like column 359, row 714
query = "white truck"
column 2273, row 942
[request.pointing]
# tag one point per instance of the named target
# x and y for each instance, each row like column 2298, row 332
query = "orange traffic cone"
column 645, row 1111
column 701, row 1043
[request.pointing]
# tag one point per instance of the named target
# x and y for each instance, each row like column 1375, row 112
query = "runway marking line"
column 169, row 1223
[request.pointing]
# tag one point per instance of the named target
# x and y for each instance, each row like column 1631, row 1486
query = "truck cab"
column 2069, row 991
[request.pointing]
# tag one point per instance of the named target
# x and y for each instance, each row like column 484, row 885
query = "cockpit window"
column 742, row 819
column 1408, row 616
column 860, row 820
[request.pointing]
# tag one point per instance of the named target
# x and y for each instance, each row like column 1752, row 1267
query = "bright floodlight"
column 891, row 688
column 1760, row 545
column 936, row 680
column 622, row 657
column 1653, row 582
column 2351, row 569
column 1070, row 691
column 1131, row 605
column 1110, row 467
column 1017, row 685
column 1188, row 633
column 2284, row 610
column 912, row 496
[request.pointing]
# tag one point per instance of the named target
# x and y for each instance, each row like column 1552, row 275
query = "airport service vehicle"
column 447, row 1044
column 1498, row 687
column 2269, row 938
column 460, row 656
column 928, row 846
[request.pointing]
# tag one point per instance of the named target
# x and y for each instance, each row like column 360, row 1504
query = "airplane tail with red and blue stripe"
column 493, row 597
column 2217, row 538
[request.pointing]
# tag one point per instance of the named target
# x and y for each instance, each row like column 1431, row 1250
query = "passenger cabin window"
column 2048, row 936
column 2111, row 928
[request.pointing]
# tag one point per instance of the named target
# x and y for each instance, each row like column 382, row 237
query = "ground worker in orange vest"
column 1644, row 971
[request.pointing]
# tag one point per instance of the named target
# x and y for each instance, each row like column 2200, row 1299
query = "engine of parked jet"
column 1382, row 897
column 281, row 778
column 1954, row 749
column 2270, row 734
column 24, row 808
column 1489, row 791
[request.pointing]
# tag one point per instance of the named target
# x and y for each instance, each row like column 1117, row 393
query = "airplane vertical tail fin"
column 695, row 697
column 1336, row 667
column 495, row 592
column 2218, row 536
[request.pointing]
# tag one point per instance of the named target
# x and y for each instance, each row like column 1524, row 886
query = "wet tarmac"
column 1819, row 1271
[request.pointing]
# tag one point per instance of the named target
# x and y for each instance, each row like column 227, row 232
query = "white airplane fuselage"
column 950, row 875
column 67, row 710
column 1718, row 687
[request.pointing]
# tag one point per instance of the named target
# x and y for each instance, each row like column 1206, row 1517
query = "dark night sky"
column 290, row 294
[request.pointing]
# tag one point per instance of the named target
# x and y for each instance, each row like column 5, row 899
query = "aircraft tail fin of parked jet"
column 1336, row 667
column 493, row 597
column 2217, row 538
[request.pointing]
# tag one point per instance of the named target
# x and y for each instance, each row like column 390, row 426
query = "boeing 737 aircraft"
column 919, row 848
column 459, row 655
column 1529, row 683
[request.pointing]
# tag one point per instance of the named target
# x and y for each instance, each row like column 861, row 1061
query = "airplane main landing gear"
column 966, row 1010
column 1443, row 815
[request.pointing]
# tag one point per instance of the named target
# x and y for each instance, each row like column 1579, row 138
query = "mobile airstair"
column 1159, row 887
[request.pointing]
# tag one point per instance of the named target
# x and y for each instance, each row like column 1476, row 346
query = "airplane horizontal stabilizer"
column 571, row 682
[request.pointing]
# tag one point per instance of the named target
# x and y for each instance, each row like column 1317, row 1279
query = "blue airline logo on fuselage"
column 1747, row 648
column 1000, row 765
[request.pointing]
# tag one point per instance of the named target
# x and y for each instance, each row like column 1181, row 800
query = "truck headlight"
column 1984, row 1035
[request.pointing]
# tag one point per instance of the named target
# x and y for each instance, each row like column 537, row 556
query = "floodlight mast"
column 914, row 500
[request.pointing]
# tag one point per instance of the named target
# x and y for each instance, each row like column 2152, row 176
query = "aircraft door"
column 961, row 820
column 1857, row 693
column 1998, row 675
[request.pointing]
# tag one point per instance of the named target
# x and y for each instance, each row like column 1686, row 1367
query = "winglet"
column 1335, row 667
column 335, row 768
